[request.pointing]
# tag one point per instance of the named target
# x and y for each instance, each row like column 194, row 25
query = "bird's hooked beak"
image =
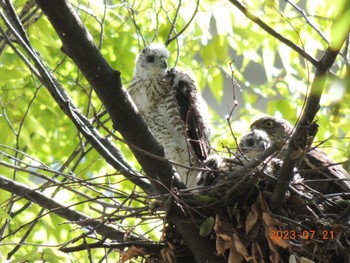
column 163, row 63
column 265, row 145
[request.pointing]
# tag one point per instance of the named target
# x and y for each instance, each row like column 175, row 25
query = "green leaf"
column 206, row 227
column 215, row 82
column 32, row 255
column 205, row 198
column 54, row 255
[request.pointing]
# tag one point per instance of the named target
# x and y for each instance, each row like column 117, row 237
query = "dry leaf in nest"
column 240, row 247
column 227, row 239
column 292, row 259
column 270, row 224
column 168, row 254
column 257, row 253
column 234, row 256
column 223, row 236
column 252, row 218
column 131, row 253
column 270, row 228
column 222, row 229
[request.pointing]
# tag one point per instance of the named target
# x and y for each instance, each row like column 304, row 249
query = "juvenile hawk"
column 251, row 147
column 324, row 175
column 174, row 110
column 253, row 144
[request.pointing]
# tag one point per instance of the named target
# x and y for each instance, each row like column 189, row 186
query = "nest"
column 310, row 227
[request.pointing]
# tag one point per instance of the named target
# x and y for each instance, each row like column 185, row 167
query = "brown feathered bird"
column 253, row 144
column 251, row 147
column 173, row 109
column 319, row 171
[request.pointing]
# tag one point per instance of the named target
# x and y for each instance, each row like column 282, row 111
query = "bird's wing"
column 321, row 166
column 193, row 113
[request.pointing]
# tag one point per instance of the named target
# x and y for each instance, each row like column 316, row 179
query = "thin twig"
column 302, row 12
column 112, row 154
column 174, row 22
column 311, row 108
column 235, row 104
column 119, row 246
column 61, row 210
column 185, row 27
column 133, row 19
column 272, row 32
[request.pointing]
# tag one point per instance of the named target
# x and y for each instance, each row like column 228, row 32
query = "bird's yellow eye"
column 268, row 124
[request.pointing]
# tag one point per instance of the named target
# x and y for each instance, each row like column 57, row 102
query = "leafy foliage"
column 41, row 148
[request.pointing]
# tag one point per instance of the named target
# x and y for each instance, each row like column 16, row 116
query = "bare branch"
column 79, row 218
column 133, row 19
column 26, row 15
column 170, row 39
column 302, row 12
column 102, row 145
column 311, row 108
column 312, row 103
column 149, row 246
column 173, row 24
column 272, row 32
column 79, row 45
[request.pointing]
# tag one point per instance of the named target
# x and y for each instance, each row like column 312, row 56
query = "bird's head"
column 277, row 129
column 254, row 143
column 152, row 61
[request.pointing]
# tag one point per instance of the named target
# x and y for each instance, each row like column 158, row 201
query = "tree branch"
column 106, row 82
column 148, row 246
column 312, row 106
column 78, row 44
column 104, row 147
column 272, row 32
column 302, row 12
column 103, row 229
column 170, row 39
